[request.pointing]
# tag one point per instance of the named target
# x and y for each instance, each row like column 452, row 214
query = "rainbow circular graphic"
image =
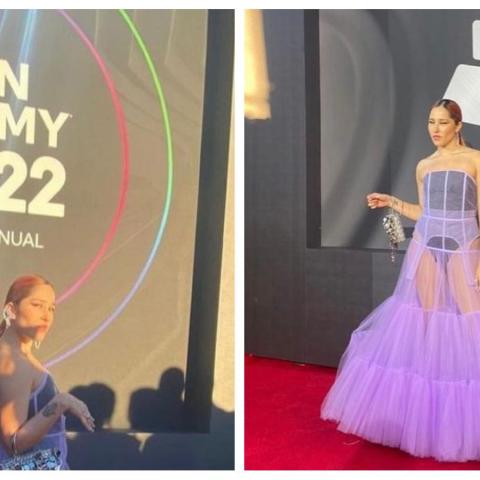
column 124, row 182
column 122, row 127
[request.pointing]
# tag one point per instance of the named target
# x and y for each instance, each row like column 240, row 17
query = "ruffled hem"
column 437, row 345
column 396, row 408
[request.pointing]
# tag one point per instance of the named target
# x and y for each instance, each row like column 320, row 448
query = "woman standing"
column 31, row 407
column 410, row 377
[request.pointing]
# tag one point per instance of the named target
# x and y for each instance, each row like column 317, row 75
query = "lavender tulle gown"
column 410, row 376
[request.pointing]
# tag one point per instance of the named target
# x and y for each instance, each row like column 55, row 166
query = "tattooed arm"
column 33, row 431
column 14, row 397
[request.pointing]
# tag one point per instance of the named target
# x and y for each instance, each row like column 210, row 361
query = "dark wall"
column 379, row 73
column 301, row 303
column 275, row 200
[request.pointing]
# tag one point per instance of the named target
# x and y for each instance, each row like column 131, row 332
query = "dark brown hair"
column 455, row 113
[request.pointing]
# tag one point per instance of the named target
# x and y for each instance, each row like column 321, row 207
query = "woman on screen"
column 31, row 407
column 410, row 377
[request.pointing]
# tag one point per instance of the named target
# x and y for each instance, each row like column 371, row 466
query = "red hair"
column 455, row 112
column 22, row 287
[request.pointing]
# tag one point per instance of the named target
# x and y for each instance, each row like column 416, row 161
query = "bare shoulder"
column 475, row 156
column 15, row 377
column 422, row 165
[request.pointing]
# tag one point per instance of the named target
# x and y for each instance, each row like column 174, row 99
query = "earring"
column 37, row 344
column 6, row 318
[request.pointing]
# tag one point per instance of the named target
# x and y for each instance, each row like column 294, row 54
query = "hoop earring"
column 6, row 318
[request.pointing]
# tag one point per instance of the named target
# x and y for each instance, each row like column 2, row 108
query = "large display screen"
column 100, row 133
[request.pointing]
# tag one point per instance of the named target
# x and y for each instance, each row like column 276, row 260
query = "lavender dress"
column 56, row 437
column 410, row 376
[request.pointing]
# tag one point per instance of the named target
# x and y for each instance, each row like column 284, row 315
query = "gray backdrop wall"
column 351, row 91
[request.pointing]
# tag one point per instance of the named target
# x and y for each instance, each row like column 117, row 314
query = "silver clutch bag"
column 48, row 459
column 394, row 230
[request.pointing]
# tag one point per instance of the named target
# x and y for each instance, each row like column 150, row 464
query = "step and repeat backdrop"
column 100, row 136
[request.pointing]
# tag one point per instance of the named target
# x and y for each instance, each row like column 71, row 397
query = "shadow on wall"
column 159, row 416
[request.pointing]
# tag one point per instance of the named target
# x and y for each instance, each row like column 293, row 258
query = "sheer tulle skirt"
column 410, row 377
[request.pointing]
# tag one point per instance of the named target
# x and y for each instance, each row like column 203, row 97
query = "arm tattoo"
column 50, row 409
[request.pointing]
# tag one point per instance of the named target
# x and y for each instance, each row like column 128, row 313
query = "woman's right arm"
column 39, row 425
column 14, row 411
column 14, row 398
column 409, row 210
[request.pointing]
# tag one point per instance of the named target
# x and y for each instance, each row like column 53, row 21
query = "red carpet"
column 283, row 430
